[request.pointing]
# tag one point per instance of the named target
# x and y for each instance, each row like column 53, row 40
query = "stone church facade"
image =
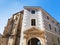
column 31, row 26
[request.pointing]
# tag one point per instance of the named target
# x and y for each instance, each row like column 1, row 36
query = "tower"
column 32, row 26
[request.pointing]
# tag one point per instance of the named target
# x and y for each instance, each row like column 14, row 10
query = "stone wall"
column 3, row 41
column 52, row 34
column 9, row 29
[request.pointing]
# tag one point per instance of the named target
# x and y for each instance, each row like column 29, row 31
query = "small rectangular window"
column 57, row 23
column 47, row 17
column 33, row 22
column 55, row 29
column 50, row 26
column 33, row 11
column 59, row 31
column 53, row 21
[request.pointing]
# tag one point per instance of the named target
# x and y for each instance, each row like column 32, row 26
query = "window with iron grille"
column 33, row 22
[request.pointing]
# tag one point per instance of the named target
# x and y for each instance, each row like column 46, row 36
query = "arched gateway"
column 33, row 36
column 34, row 41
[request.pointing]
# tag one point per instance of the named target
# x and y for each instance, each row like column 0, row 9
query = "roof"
column 32, row 7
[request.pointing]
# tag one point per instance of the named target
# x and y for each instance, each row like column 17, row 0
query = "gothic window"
column 33, row 11
column 33, row 22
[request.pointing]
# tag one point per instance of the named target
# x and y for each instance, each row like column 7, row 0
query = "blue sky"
column 9, row 7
